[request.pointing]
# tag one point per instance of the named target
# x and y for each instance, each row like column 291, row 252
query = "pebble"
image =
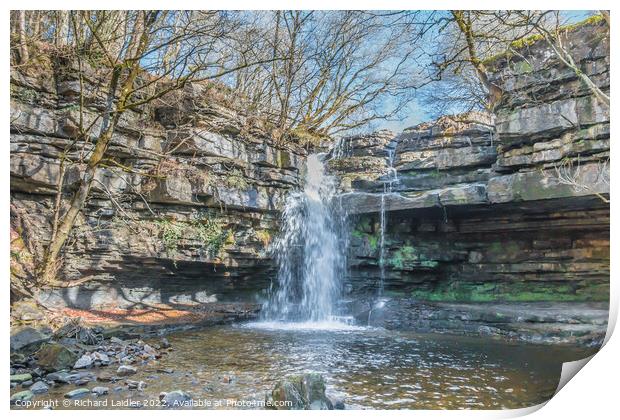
column 100, row 390
column 72, row 377
column 174, row 398
column 60, row 376
column 82, row 381
column 83, row 362
column 125, row 370
column 338, row 404
column 106, row 377
column 101, row 358
column 77, row 393
column 139, row 385
column 164, row 343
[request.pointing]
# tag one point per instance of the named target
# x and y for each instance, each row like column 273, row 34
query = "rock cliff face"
column 182, row 211
column 510, row 207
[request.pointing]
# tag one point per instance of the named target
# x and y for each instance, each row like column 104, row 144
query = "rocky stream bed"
column 251, row 365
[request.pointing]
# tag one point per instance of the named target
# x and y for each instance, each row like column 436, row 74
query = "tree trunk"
column 62, row 28
column 22, row 37
column 465, row 26
column 48, row 272
column 64, row 227
column 606, row 16
column 113, row 113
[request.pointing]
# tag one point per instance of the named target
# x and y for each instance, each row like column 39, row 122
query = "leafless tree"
column 467, row 40
column 338, row 68
column 550, row 26
column 141, row 56
column 569, row 172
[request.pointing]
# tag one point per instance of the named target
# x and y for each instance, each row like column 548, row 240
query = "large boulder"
column 27, row 310
column 28, row 339
column 54, row 357
column 300, row 392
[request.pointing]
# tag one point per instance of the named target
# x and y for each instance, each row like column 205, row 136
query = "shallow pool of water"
column 367, row 368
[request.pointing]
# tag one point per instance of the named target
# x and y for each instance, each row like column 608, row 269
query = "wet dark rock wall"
column 485, row 254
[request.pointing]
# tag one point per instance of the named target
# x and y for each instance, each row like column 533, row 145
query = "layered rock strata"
column 183, row 209
column 512, row 207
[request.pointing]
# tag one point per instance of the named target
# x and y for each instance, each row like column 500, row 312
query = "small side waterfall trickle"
column 388, row 183
column 309, row 252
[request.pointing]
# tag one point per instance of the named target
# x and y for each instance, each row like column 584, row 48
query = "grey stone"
column 139, row 385
column 150, row 350
column 63, row 377
column 125, row 370
column 175, row 399
column 83, row 362
column 100, row 390
column 27, row 337
column 101, row 358
column 172, row 190
column 300, row 392
column 547, row 184
column 39, row 387
column 76, row 393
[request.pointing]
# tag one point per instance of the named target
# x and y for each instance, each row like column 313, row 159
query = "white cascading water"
column 309, row 252
column 392, row 178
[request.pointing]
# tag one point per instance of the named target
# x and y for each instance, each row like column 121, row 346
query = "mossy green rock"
column 515, row 292
column 22, row 377
column 21, row 396
column 53, row 357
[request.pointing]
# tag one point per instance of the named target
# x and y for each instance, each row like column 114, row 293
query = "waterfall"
column 392, row 178
column 343, row 148
column 309, row 252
